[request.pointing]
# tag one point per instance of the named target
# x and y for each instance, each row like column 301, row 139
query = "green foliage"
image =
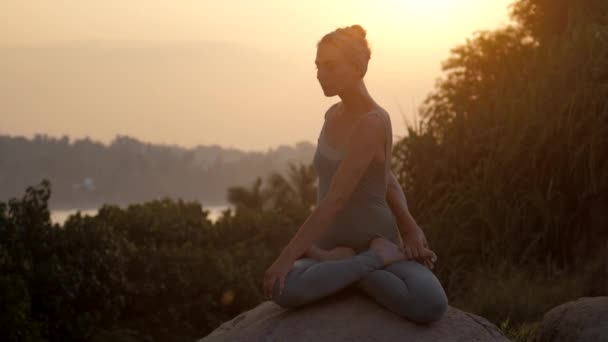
column 508, row 168
column 292, row 198
column 16, row 323
column 522, row 333
column 158, row 271
column 64, row 271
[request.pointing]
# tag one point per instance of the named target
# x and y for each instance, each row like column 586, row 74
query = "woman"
column 353, row 235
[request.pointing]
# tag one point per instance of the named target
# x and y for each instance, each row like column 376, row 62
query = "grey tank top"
column 366, row 213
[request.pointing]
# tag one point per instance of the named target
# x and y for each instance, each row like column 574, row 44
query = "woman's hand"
column 415, row 246
column 276, row 272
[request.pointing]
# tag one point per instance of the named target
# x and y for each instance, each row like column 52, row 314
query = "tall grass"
column 502, row 170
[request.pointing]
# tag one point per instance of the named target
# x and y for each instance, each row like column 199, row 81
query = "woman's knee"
column 293, row 295
column 420, row 307
column 433, row 306
column 425, row 300
column 284, row 301
column 289, row 300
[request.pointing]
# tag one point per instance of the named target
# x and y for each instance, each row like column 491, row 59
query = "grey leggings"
column 406, row 287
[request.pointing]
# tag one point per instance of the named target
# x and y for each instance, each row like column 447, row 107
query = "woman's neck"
column 357, row 101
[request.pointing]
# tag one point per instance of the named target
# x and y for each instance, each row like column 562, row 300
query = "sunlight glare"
column 427, row 23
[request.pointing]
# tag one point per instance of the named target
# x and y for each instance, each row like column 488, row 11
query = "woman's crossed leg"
column 404, row 287
column 310, row 279
column 408, row 289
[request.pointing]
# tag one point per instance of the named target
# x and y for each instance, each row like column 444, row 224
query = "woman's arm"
column 369, row 131
column 398, row 204
column 412, row 238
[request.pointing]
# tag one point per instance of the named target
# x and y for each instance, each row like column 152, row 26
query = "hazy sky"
column 409, row 39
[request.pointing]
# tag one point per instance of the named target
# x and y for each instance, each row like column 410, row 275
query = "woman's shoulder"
column 384, row 116
column 377, row 110
column 382, row 113
column 332, row 109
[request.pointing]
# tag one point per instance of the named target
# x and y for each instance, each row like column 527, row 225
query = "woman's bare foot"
column 388, row 251
column 339, row 253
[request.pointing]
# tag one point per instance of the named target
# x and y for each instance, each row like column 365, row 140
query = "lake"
column 59, row 216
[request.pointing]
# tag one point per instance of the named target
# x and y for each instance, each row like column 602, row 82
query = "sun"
column 407, row 23
column 426, row 6
column 425, row 11
column 425, row 24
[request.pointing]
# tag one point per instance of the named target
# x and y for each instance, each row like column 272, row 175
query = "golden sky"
column 409, row 39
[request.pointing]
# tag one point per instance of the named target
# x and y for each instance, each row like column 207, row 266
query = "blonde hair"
column 351, row 40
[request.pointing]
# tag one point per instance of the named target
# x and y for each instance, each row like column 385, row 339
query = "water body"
column 60, row 216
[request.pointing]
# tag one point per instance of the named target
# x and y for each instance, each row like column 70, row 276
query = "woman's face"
column 334, row 72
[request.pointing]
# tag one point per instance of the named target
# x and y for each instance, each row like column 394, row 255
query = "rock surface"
column 582, row 320
column 349, row 316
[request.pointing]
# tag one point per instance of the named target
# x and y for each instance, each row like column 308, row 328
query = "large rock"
column 583, row 320
column 349, row 316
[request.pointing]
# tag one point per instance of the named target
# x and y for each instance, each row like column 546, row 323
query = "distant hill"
column 86, row 174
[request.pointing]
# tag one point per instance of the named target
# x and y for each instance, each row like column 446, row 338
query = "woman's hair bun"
column 357, row 30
